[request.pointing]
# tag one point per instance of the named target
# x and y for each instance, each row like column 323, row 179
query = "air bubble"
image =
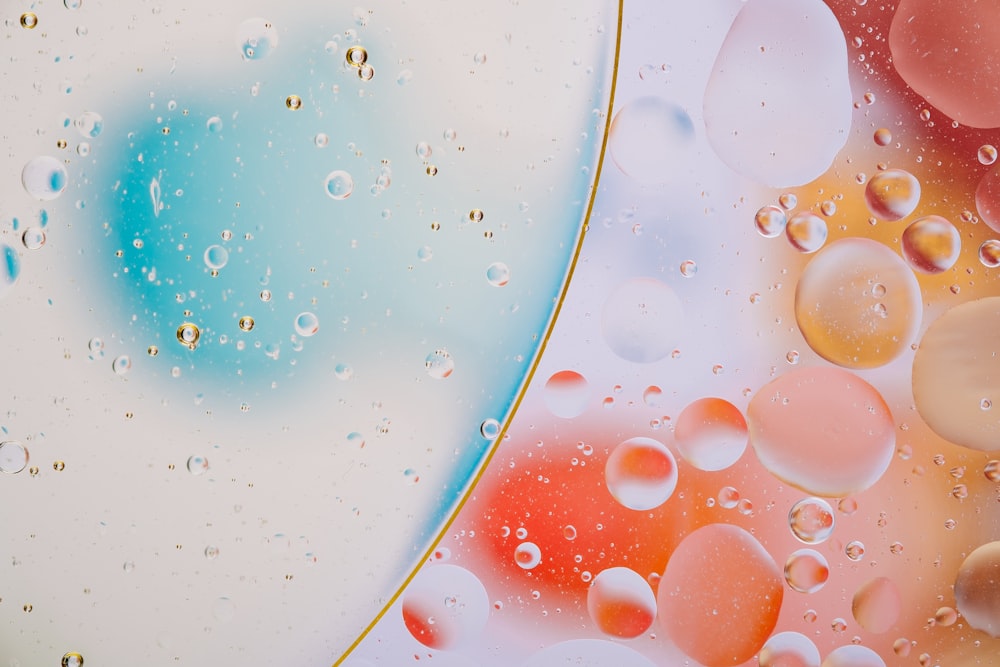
column 306, row 324
column 246, row 323
column 339, row 184
column 29, row 20
column 811, row 520
column 931, row 244
column 188, row 334
column 892, row 194
column 806, row 571
column 256, row 38
column 44, row 178
column 806, row 232
column 293, row 102
column 356, row 56
column 13, row 457
column 641, row 473
column 216, row 257
column 439, row 364
column 197, row 465
column 498, row 274
column 527, row 555
column 72, row 659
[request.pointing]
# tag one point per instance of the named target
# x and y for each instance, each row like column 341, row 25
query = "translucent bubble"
column 306, row 324
column 339, row 184
column 587, row 653
column 976, row 589
column 527, row 555
column 883, row 137
column 366, row 72
column 720, row 583
column 989, row 253
column 44, row 178
column 652, row 395
column 806, row 232
column 497, row 274
column 476, row 215
column 293, row 102
column 343, row 371
column 789, row 649
column 811, row 520
column 711, row 434
column 566, row 394
column 770, row 221
column 806, row 570
column 246, row 323
column 987, row 154
column 96, row 345
column 823, row 430
column 788, row 201
column 216, row 256
column 931, row 244
column 876, row 605
column 648, row 137
column 29, row 20
column 197, row 464
column 945, row 616
column 728, row 497
column 214, row 125
column 10, row 268
column 642, row 320
column 855, row 550
column 621, row 603
column 892, row 194
column 641, row 473
column 988, row 198
column 356, row 56
column 853, row 655
column 72, row 659
column 211, row 552
column 33, row 238
column 992, row 470
column 321, row 140
column 439, row 364
column 13, row 457
column 122, row 364
column 954, row 369
column 445, row 606
column 188, row 334
column 490, row 429
column 688, row 268
column 256, row 38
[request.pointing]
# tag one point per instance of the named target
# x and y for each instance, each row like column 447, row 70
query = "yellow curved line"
column 534, row 364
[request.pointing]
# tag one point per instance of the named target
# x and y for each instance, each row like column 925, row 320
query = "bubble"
column 246, row 323
column 883, row 137
column 945, row 616
column 789, row 649
column 216, row 257
column 497, row 274
column 992, row 471
column 476, row 215
column 321, row 140
column 806, row 232
column 439, row 364
column 214, row 125
column 96, row 345
column 339, row 184
column 770, row 221
column 366, row 72
column 59, row 466
column 853, row 655
column 306, row 324
column 987, row 154
column 587, row 653
column 152, row 350
column 976, row 589
column 989, row 253
column 527, row 555
column 29, row 20
column 490, row 429
column 13, row 457
column 719, row 583
column 188, row 335
column 72, row 659
column 256, row 38
column 711, row 434
column 876, row 605
column 197, row 465
column 121, row 365
column 901, row 647
column 954, row 368
column 33, row 238
column 806, row 570
column 652, row 395
column 621, row 603
column 356, row 56
column 728, row 497
column 648, row 138
column 811, row 520
column 445, row 606
column 788, row 201
column 293, row 102
column 855, row 550
column 931, row 244
column 10, row 268
column 44, row 178
column 642, row 320
column 892, row 194
column 857, row 304
column 823, row 430
column 641, row 473
column 566, row 394
column 688, row 268
column 777, row 54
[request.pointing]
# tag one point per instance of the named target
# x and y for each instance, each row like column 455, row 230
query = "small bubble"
column 321, row 140
column 59, row 466
column 188, row 334
column 985, row 404
column 197, row 464
column 828, row 208
column 788, row 201
column 855, row 550
column 490, row 429
column 869, row 98
column 246, row 323
column 498, row 274
column 339, row 184
column 925, row 115
column 356, row 56
column 306, row 324
column 527, row 555
column 29, row 20
column 992, row 471
column 152, row 350
column 476, row 215
column 792, row 357
column 211, row 552
column 987, row 154
column 883, row 137
column 293, row 102
column 121, row 365
column 13, row 457
column 366, row 72
column 439, row 364
column 28, row 606
column 989, row 253
column 688, row 268
column 265, row 295
column 72, row 659
column 33, row 238
column 432, row 170
column 950, row 524
column 728, row 497
column 479, row 58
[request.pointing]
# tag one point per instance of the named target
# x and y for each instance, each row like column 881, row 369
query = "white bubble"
column 197, row 464
column 811, row 520
column 498, row 274
column 216, row 257
column 642, row 320
column 445, row 606
column 13, row 457
column 789, row 649
column 527, row 555
column 89, row 124
column 339, row 185
column 306, row 324
column 214, row 125
column 711, row 434
column 439, row 364
column 566, row 394
column 44, row 178
column 641, row 473
column 853, row 656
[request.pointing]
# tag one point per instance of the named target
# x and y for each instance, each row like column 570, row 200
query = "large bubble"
column 876, row 605
column 44, row 177
column 956, row 375
column 641, row 473
column 806, row 571
column 566, row 394
column 976, row 587
column 931, row 244
column 445, row 606
column 711, row 433
column 925, row 39
column 778, row 103
column 857, row 304
column 646, row 138
column 587, row 653
column 642, row 320
column 720, row 595
column 823, row 430
column 853, row 655
column 789, row 649
column 892, row 194
column 621, row 603
column 988, row 198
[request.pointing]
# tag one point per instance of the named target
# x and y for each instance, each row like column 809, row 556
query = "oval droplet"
column 711, row 434
column 339, row 185
column 641, row 473
column 44, row 178
column 892, row 194
column 621, row 603
column 876, row 605
column 931, row 244
column 976, row 589
column 806, row 570
column 811, row 520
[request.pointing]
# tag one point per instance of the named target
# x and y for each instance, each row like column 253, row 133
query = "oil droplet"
column 566, row 394
column 876, row 605
column 439, row 364
column 883, row 137
column 806, row 571
column 188, row 335
column 356, row 56
column 855, row 550
column 152, row 350
column 58, row 466
column 811, row 520
column 44, row 178
column 216, row 257
column 728, row 497
column 197, row 465
column 214, row 125
column 789, row 649
column 72, row 659
column 89, row 124
column 265, row 295
column 975, row 589
column 770, row 221
column 853, row 655
column 321, row 140
column 806, row 232
column 992, row 471
column 621, row 603
column 29, row 20
column 788, row 201
column 892, row 194
column 211, row 552
column 476, row 215
column 527, row 555
column 931, row 244
column 28, row 607
column 256, row 38
column 293, row 102
column 490, row 429
column 498, row 274
column 445, row 605
column 306, row 324
column 987, row 154
column 33, row 238
column 688, row 268
column 121, row 365
column 339, row 185
column 13, row 457
column 711, row 434
column 641, row 473
column 246, row 323
column 989, row 253
column 945, row 616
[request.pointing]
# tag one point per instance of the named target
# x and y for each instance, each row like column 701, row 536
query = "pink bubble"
column 853, row 656
column 976, row 589
column 931, row 244
column 641, row 473
column 566, row 394
column 621, row 603
column 445, row 606
column 876, row 605
column 711, row 434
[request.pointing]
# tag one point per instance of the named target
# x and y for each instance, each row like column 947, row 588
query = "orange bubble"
column 876, row 605
column 931, row 244
column 976, row 589
column 988, row 199
column 641, row 473
column 621, row 603
column 720, row 595
column 711, row 434
column 566, row 394
column 892, row 194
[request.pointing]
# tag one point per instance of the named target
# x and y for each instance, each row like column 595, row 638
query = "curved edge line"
column 512, row 412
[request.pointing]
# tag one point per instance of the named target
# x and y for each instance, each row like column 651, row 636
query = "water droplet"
column 987, row 154
column 188, row 335
column 806, row 232
column 29, row 20
column 621, row 603
column 892, row 194
column 806, row 571
column 293, row 102
column 246, row 323
column 476, row 215
column 566, row 394
column 811, row 520
column 641, row 473
column 498, row 274
column 883, row 137
column 44, row 178
column 72, row 659
column 490, row 429
column 306, row 324
column 931, row 244
column 989, row 253
column 445, row 605
column 321, row 140
column 58, row 466
column 527, row 555
column 216, row 257
column 788, row 201
column 33, row 238
column 855, row 550
column 688, row 268
column 439, row 364
column 356, row 56
column 197, row 464
column 728, row 497
column 214, row 125
column 479, row 58
column 339, row 184
column 121, row 365
column 13, row 457
column 770, row 221
column 711, row 434
column 256, row 38
column 211, row 552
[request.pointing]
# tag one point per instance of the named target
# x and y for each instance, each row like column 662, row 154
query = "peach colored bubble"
column 621, row 603
column 892, row 194
column 876, row 605
column 711, row 434
column 566, row 394
column 976, row 589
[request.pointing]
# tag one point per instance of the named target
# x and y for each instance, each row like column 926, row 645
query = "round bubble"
column 256, row 38
column 988, row 198
column 931, row 244
column 566, row 394
column 439, row 364
column 197, row 464
column 806, row 570
column 445, row 606
column 89, row 124
column 770, row 221
column 306, row 324
column 587, row 653
column 989, row 253
column 214, row 125
column 498, row 274
column 853, row 655
column 641, row 473
column 216, row 257
column 976, row 589
column 857, row 304
column 811, row 520
column 13, row 456
column 527, row 555
column 621, row 603
column 719, row 583
column 876, row 605
column 789, row 649
column 823, row 430
column 779, row 58
column 10, row 268
column 647, row 138
column 892, row 194
column 339, row 185
column 956, row 375
column 642, row 320
column 44, row 178
column 711, row 434
column 806, row 232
